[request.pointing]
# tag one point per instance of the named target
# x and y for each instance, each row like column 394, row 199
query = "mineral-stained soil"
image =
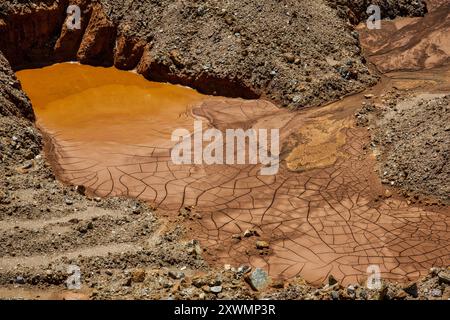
column 326, row 215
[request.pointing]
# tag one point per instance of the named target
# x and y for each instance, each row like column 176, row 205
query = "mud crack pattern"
column 325, row 220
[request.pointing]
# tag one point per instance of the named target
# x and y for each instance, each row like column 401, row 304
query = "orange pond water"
column 104, row 106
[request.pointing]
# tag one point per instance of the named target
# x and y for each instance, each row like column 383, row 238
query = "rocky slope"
column 411, row 135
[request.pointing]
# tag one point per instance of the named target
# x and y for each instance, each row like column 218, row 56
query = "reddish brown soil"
column 326, row 211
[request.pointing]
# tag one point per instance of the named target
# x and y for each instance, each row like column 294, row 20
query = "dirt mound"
column 13, row 101
column 413, row 138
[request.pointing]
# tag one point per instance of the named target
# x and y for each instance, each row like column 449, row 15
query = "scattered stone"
column 258, row 279
column 369, row 96
column 198, row 282
column 436, row 293
column 387, row 193
column 138, row 275
column 206, row 288
column 20, row 280
column 176, row 274
column 260, row 245
column 296, row 98
column 385, row 293
column 69, row 202
column 216, row 289
column 363, row 294
column 412, row 289
column 127, row 282
column 444, row 277
column 401, row 295
column 244, row 269
column 332, row 280
column 27, row 165
column 236, row 236
column 136, row 210
column 334, row 295
column 351, row 289
column 289, row 57
column 194, row 248
column 177, row 59
column 250, row 233
column 81, row 190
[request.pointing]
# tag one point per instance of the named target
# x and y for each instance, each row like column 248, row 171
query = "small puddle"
column 101, row 106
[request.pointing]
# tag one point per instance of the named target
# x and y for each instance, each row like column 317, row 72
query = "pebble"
column 262, row 245
column 27, row 165
column 289, row 57
column 351, row 289
column 335, row 295
column 69, row 202
column 387, row 193
column 412, row 289
column 244, row 269
column 444, row 277
column 436, row 293
column 176, row 274
column 401, row 295
column 81, row 190
column 20, row 280
column 138, row 275
column 296, row 98
column 136, row 209
column 236, row 236
column 332, row 280
column 258, row 279
column 249, row 233
column 216, row 289
column 198, row 282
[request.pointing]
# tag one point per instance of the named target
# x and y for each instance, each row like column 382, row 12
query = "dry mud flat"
column 309, row 220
